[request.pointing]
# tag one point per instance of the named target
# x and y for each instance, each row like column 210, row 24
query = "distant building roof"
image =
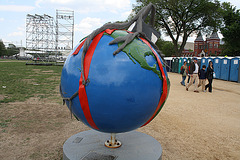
column 214, row 36
column 199, row 37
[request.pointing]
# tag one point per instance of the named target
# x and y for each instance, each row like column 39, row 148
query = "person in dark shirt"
column 210, row 72
column 202, row 77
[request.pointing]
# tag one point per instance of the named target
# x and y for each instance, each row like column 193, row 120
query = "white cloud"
column 16, row 8
column 233, row 2
column 114, row 6
column 63, row 2
column 15, row 34
column 20, row 32
column 125, row 15
column 37, row 3
column 118, row 4
column 87, row 25
column 1, row 19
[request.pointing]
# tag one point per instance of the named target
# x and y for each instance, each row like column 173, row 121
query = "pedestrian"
column 202, row 74
column 188, row 75
column 194, row 68
column 184, row 72
column 209, row 75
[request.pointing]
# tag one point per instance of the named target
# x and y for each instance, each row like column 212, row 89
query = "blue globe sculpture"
column 123, row 91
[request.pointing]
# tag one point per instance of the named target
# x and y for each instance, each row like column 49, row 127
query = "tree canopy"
column 166, row 47
column 230, row 30
column 9, row 51
column 3, row 50
column 181, row 18
column 12, row 50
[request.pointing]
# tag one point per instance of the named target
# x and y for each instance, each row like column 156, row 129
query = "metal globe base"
column 89, row 144
column 113, row 143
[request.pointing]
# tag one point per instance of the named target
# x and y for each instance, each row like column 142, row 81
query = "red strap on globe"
column 82, row 90
column 87, row 61
column 79, row 47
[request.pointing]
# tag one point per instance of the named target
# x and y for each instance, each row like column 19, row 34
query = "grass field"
column 30, row 107
column 19, row 82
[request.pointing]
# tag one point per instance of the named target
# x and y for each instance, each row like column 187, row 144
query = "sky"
column 88, row 15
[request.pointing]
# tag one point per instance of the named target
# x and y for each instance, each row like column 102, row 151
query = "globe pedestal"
column 89, row 145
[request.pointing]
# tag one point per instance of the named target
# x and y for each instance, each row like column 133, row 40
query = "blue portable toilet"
column 217, row 67
column 208, row 60
column 204, row 62
column 225, row 69
column 234, row 69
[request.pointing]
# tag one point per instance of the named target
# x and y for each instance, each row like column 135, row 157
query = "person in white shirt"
column 194, row 68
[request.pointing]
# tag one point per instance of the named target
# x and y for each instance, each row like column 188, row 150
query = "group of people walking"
column 195, row 74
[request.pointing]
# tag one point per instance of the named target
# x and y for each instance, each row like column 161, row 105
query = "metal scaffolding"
column 64, row 30
column 47, row 39
column 40, row 35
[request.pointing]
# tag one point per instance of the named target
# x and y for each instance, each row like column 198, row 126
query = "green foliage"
column 12, row 50
column 231, row 30
column 3, row 50
column 19, row 82
column 183, row 17
column 166, row 47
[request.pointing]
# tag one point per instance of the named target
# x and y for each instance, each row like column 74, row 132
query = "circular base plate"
column 90, row 144
column 116, row 144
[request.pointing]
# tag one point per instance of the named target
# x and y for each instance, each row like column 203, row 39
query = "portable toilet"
column 188, row 61
column 184, row 59
column 168, row 67
column 225, row 69
column 180, row 63
column 234, row 69
column 174, row 64
column 199, row 61
column 204, row 62
column 208, row 60
column 217, row 67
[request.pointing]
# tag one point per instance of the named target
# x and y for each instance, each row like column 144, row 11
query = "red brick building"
column 207, row 48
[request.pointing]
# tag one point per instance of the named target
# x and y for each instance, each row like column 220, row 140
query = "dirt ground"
column 190, row 125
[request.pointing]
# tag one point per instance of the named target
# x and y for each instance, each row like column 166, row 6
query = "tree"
column 12, row 50
column 166, row 47
column 3, row 50
column 230, row 30
column 181, row 18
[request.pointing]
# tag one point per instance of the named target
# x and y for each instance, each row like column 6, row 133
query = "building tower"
column 213, row 44
column 199, row 44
